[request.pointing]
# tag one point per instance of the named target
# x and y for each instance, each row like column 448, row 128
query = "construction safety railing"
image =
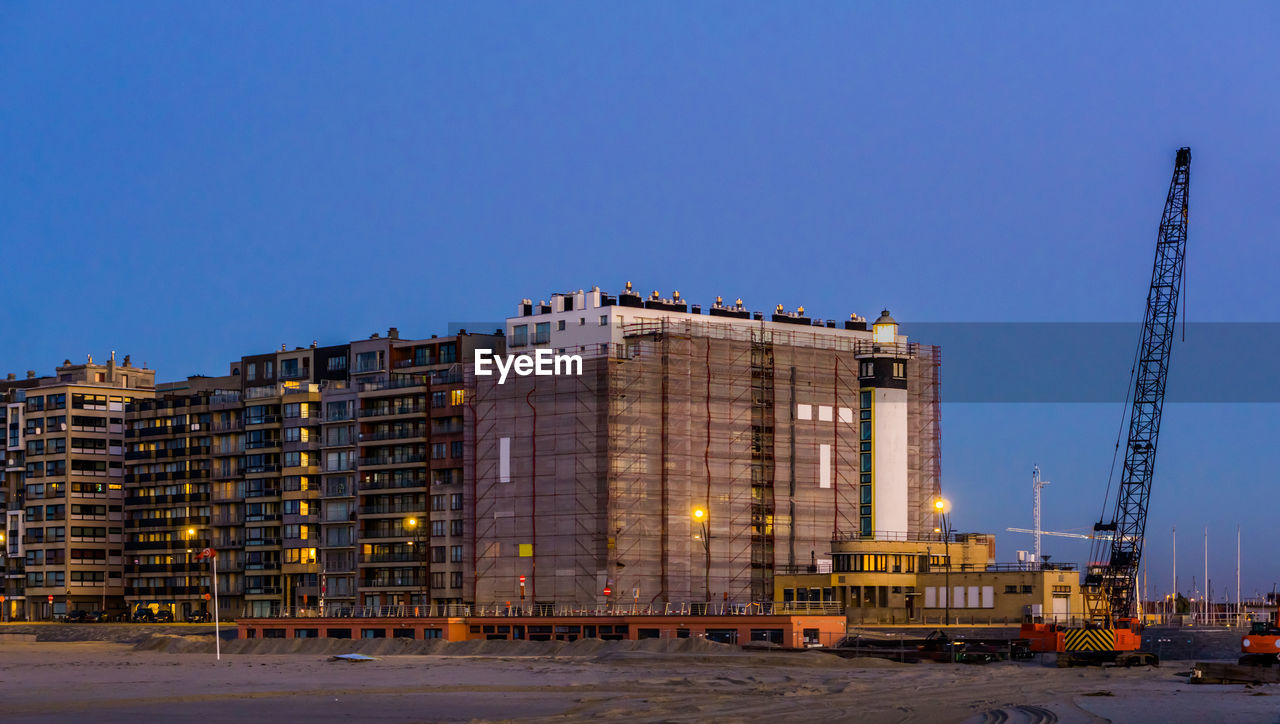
column 767, row 608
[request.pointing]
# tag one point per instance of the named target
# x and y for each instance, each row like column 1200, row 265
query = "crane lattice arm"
column 1116, row 580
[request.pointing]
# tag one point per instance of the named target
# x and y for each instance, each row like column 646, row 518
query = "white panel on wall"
column 804, row 412
column 846, row 415
column 974, row 601
column 824, row 413
column 988, row 597
column 958, row 594
column 824, row 466
column 930, row 597
column 504, row 460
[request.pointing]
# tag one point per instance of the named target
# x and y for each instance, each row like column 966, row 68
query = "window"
column 457, row 397
column 1028, row 589
column 439, row 398
column 422, row 356
column 289, row 368
column 1010, row 589
column 455, row 501
column 437, row 502
column 519, row 335
column 900, row 369
column 604, row 319
column 251, row 371
column 448, row 353
column 337, row 364
column 455, row 449
column 455, row 554
column 437, row 528
column 437, row 450
column 437, row 554
column 268, row 370
column 542, row 333
column 582, row 321
column 369, row 361
column 560, row 326
column 35, row 404
column 868, row 369
column 455, row 527
column 57, row 402
column 455, row 579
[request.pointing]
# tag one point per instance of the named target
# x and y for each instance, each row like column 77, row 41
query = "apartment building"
column 168, row 496
column 405, row 445
column 69, row 430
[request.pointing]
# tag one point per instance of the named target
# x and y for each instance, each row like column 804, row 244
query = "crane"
column 1113, row 632
column 1111, row 588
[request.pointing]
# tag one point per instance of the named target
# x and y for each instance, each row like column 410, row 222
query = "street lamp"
column 940, row 506
column 702, row 517
column 412, row 525
column 189, row 534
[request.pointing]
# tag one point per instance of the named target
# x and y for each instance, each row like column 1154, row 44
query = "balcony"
column 262, row 420
column 417, row 432
column 409, row 509
column 227, row 426
column 261, row 542
column 393, row 460
column 393, row 483
column 402, row 581
column 392, row 410
column 401, row 557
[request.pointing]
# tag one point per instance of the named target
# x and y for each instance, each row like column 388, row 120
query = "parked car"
column 95, row 616
column 76, row 616
column 199, row 617
column 164, row 615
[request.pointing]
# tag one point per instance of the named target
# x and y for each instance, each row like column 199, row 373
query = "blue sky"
column 192, row 182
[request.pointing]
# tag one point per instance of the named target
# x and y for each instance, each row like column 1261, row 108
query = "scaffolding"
column 585, row 486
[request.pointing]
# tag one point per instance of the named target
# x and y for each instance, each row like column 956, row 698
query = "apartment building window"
column 455, row 579
column 369, row 361
column 448, row 353
column 289, row 368
column 268, row 370
column 542, row 333
column 35, row 426
column 560, row 325
column 251, row 371
column 439, row 398
column 457, row 397
column 35, row 447
column 437, row 580
column 337, row 364
column 437, row 450
column 340, row 460
column 868, row 369
column 437, row 554
column 437, row 502
column 57, row 402
column 455, row 527
column 455, row 554
column 337, row 411
column 455, row 501
column 437, row 528
column 455, row 449
column 35, row 404
column 519, row 335
column 900, row 369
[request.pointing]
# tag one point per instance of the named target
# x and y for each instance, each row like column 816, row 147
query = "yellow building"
column 905, row 581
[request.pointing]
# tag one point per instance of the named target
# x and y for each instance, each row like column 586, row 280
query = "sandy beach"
column 110, row 682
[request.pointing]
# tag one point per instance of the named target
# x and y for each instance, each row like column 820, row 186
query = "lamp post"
column 188, row 534
column 420, row 554
column 702, row 517
column 940, row 505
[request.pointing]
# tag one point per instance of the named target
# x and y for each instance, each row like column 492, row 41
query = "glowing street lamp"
column 702, row 517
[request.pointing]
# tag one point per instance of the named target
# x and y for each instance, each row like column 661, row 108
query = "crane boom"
column 1115, row 582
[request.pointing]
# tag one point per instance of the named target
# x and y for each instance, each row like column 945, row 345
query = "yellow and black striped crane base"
column 1090, row 639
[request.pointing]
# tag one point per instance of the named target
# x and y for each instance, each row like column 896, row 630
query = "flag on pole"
column 206, row 553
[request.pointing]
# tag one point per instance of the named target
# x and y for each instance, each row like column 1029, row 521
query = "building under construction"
column 696, row 453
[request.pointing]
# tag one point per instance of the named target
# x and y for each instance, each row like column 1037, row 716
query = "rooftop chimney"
column 12, row 376
column 31, row 374
column 393, row 333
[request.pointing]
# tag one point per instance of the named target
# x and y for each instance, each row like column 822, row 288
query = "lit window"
column 457, row 397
